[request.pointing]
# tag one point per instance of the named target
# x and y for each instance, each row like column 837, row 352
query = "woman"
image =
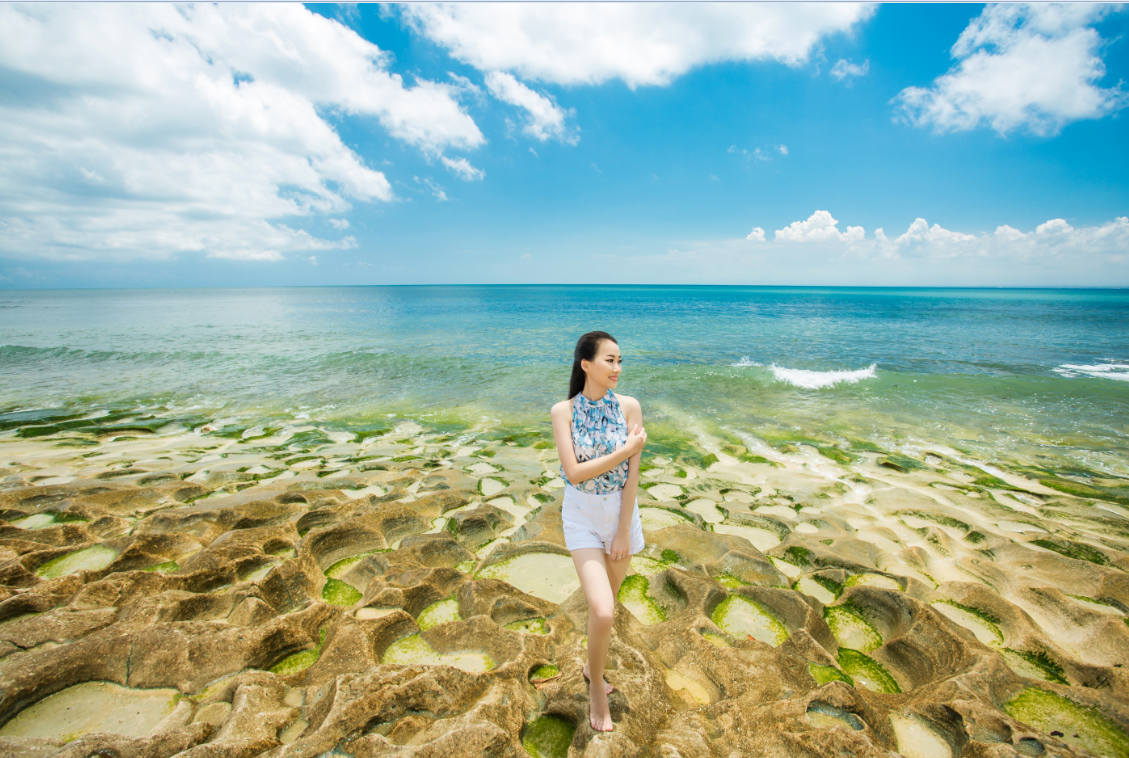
column 600, row 463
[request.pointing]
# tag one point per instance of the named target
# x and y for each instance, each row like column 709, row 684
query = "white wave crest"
column 1118, row 371
column 817, row 380
column 745, row 362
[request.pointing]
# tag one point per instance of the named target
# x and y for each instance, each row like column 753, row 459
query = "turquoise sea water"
column 1028, row 376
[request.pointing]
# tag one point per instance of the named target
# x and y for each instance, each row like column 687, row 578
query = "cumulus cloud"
column 638, row 43
column 545, row 119
column 819, row 227
column 1057, row 251
column 844, row 69
column 1033, row 66
column 153, row 130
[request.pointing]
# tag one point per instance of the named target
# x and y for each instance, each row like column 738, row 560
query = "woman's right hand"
column 636, row 438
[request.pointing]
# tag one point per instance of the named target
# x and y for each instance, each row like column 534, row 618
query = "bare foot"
column 607, row 685
column 600, row 715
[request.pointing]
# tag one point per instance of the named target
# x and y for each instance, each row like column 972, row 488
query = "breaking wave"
column 817, row 380
column 1118, row 371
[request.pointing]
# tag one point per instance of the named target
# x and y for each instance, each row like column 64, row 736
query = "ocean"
column 1015, row 378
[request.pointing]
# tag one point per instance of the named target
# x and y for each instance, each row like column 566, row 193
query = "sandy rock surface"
column 410, row 594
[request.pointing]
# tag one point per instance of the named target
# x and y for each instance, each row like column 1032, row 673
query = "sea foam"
column 1118, row 371
column 745, row 362
column 817, row 380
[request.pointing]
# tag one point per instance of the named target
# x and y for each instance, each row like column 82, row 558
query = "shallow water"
column 93, row 707
column 548, row 576
column 1033, row 376
column 745, row 618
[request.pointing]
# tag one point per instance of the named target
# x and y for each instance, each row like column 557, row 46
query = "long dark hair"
column 586, row 348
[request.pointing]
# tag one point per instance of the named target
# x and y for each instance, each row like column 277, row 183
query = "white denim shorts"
column 593, row 520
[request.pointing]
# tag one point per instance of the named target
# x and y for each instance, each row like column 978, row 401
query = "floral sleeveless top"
column 598, row 428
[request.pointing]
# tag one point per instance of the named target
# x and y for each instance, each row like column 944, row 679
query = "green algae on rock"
column 340, row 567
column 163, row 568
column 414, row 649
column 529, row 626
column 823, row 674
column 544, row 673
column 1081, row 727
column 633, row 595
column 548, row 737
column 743, row 617
column 337, row 592
column 867, row 671
column 981, row 624
column 93, row 707
column 730, row 582
column 443, row 612
column 642, row 565
column 88, row 559
column 851, row 630
column 299, row 661
column 1034, row 665
column 872, row 580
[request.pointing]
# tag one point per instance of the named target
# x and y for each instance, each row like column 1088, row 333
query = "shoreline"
column 790, row 584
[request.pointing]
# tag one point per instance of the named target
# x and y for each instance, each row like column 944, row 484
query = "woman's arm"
column 621, row 543
column 582, row 471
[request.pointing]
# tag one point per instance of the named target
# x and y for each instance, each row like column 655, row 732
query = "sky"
column 227, row 145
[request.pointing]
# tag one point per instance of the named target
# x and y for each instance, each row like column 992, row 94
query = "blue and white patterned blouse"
column 598, row 429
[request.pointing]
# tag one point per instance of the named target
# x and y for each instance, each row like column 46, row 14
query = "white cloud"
column 819, row 227
column 437, row 190
column 1060, row 255
column 313, row 259
column 844, row 69
column 639, row 43
column 937, row 240
column 546, row 120
column 154, row 130
column 783, row 149
column 757, row 235
column 464, row 169
column 339, row 223
column 1054, row 245
column 1054, row 226
column 1033, row 66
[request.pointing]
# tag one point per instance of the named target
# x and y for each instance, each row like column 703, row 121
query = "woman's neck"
column 593, row 393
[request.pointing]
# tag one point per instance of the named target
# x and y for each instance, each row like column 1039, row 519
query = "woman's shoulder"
column 563, row 407
column 626, row 401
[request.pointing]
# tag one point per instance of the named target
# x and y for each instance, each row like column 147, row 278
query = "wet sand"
column 304, row 592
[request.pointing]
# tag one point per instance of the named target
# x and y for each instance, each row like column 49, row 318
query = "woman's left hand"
column 621, row 548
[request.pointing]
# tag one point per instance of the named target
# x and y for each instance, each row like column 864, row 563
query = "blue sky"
column 932, row 145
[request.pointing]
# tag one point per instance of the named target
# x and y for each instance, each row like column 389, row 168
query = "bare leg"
column 591, row 567
column 617, row 570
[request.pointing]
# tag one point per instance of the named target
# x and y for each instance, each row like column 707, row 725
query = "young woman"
column 600, row 463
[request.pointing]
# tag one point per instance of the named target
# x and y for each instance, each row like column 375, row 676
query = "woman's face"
column 605, row 368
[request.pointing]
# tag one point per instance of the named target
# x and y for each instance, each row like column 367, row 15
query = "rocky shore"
column 168, row 590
